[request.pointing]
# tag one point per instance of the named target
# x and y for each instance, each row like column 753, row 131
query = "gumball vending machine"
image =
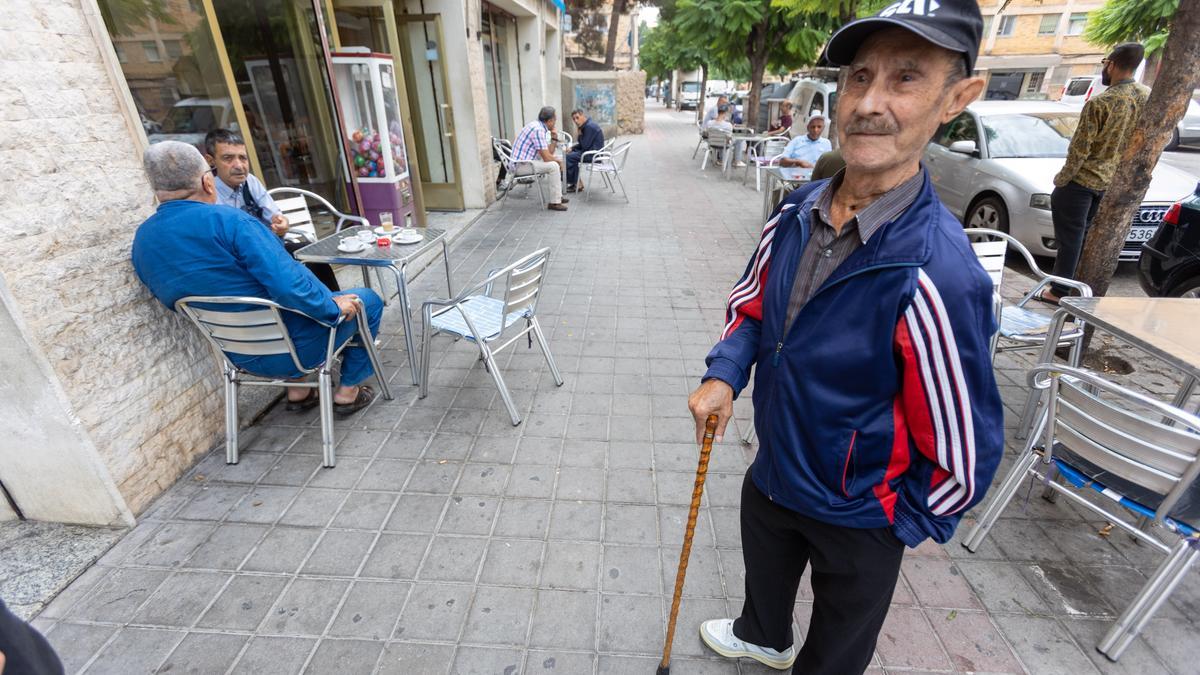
column 370, row 111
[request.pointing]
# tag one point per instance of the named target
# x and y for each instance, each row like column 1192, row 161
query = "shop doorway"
column 423, row 58
column 415, row 42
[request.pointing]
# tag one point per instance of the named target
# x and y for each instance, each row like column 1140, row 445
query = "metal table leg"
column 406, row 318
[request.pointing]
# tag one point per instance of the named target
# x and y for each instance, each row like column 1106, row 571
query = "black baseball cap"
column 951, row 24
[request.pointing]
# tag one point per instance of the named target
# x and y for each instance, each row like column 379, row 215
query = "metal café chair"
column 700, row 142
column 1023, row 326
column 761, row 155
column 609, row 164
column 229, row 328
column 1137, row 453
column 300, row 220
column 503, row 148
column 719, row 143
column 482, row 319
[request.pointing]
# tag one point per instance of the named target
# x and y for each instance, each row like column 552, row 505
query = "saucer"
column 409, row 238
column 352, row 246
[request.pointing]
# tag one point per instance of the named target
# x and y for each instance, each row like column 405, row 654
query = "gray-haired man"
column 533, row 153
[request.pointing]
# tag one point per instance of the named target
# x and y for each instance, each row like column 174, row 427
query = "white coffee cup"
column 408, row 232
column 366, row 236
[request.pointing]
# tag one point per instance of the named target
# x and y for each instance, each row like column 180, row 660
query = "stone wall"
column 613, row 99
column 141, row 384
column 631, row 101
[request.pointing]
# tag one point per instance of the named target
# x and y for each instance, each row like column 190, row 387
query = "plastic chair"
column 503, row 148
column 480, row 318
column 1138, row 453
column 703, row 137
column 300, row 222
column 1021, row 326
column 609, row 164
column 229, row 328
column 760, row 156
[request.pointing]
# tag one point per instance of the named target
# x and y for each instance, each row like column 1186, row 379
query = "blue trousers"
column 311, row 340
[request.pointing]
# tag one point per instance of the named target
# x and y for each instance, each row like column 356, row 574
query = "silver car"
column 994, row 166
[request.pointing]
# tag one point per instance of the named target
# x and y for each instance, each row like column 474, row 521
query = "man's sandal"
column 364, row 398
column 307, row 403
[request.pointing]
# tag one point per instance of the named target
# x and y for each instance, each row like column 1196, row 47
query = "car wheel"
column 1187, row 289
column 988, row 212
column 1173, row 144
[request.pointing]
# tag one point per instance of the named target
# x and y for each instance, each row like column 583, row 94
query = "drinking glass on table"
column 385, row 221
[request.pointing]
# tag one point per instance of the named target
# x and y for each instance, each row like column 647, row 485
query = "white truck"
column 688, row 89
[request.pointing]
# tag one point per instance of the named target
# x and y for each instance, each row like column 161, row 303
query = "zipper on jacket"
column 775, row 359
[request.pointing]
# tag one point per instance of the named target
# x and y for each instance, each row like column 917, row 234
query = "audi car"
column 994, row 166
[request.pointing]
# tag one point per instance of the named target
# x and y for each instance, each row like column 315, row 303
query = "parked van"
column 811, row 97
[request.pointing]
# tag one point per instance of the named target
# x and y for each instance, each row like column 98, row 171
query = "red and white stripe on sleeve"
column 936, row 401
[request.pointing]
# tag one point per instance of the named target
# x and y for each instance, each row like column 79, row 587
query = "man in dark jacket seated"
column 591, row 138
column 194, row 246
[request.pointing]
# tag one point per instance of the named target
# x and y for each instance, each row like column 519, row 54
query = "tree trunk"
column 614, row 24
column 756, row 53
column 700, row 102
column 1166, row 106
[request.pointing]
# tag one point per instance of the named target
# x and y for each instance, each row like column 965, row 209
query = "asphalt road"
column 1186, row 158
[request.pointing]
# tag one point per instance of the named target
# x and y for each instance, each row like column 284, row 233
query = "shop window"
column 987, row 26
column 184, row 95
column 1049, row 24
column 1077, row 24
column 1007, row 25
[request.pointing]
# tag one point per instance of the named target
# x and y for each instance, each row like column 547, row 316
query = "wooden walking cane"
column 710, row 430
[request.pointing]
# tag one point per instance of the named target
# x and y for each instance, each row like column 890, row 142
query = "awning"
column 560, row 4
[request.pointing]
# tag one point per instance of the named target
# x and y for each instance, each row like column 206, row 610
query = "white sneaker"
column 718, row 635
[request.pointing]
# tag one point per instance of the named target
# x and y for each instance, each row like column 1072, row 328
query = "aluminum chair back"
column 991, row 255
column 719, row 139
column 1124, row 434
column 295, row 208
column 524, row 283
column 620, row 154
column 254, row 332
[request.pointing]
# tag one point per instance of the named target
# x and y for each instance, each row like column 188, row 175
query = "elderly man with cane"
column 866, row 319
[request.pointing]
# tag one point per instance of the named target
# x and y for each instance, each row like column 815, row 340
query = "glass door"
column 422, row 55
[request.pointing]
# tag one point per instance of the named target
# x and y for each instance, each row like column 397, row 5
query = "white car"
column 1187, row 132
column 994, row 166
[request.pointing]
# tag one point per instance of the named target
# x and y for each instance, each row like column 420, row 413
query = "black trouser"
column 573, row 159
column 323, row 273
column 854, row 573
column 1072, row 207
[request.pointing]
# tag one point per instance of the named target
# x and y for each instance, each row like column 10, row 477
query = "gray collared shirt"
column 231, row 197
column 827, row 249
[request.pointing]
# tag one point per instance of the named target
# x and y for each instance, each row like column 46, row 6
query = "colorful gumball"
column 359, row 160
column 374, row 156
column 356, row 137
column 365, row 146
column 371, row 175
column 382, row 171
column 363, row 171
column 373, row 165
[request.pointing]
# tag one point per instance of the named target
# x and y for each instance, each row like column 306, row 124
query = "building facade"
column 108, row 397
column 1031, row 49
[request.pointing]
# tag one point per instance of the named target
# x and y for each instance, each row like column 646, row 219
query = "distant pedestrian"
column 1105, row 123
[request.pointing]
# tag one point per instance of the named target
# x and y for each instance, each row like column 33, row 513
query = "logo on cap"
column 918, row 7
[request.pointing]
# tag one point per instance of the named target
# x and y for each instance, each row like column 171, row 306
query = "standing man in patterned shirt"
column 534, row 150
column 1105, row 123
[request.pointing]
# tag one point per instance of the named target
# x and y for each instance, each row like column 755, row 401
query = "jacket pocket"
column 848, row 472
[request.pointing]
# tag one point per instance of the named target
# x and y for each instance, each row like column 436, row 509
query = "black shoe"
column 564, row 200
column 557, row 207
column 364, row 398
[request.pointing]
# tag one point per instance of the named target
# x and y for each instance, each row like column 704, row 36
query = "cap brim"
column 844, row 44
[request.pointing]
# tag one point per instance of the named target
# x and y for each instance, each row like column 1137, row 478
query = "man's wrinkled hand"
column 714, row 397
column 348, row 304
column 279, row 224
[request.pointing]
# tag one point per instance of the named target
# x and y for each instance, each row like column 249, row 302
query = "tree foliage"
column 126, row 17
column 1145, row 21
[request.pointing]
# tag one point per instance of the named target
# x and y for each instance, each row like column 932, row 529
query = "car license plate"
column 1141, row 234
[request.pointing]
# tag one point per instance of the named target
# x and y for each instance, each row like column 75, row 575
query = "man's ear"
column 962, row 94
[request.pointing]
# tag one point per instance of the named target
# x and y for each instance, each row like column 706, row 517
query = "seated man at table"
column 534, row 148
column 804, row 151
column 237, row 187
column 193, row 246
column 721, row 123
column 591, row 139
column 711, row 114
column 782, row 126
